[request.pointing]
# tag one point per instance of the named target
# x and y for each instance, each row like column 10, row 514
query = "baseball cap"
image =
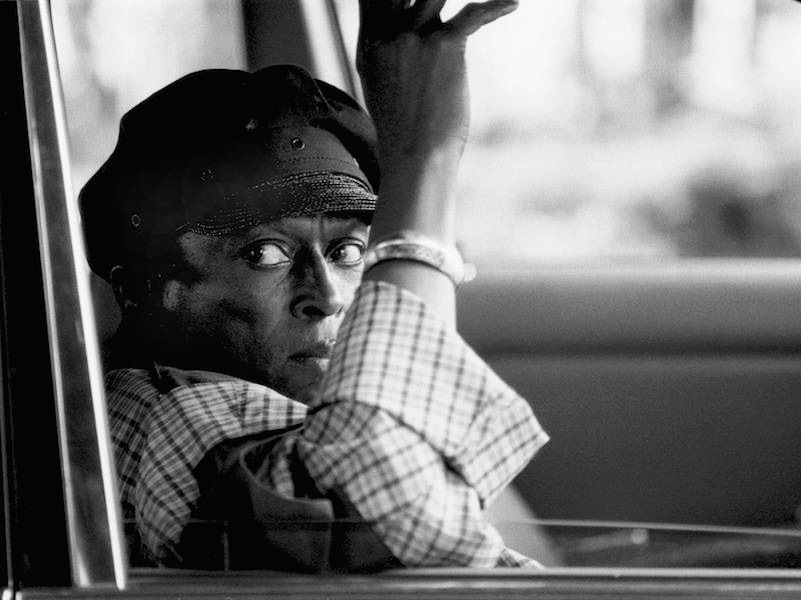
column 220, row 150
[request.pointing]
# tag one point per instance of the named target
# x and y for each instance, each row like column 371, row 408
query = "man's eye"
column 348, row 254
column 266, row 254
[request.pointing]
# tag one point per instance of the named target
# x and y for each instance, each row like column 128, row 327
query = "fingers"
column 384, row 6
column 382, row 18
column 379, row 16
column 475, row 15
column 425, row 11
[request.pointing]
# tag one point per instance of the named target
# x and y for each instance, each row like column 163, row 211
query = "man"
column 332, row 423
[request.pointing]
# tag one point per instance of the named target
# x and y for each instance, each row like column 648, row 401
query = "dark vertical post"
column 272, row 32
column 36, row 535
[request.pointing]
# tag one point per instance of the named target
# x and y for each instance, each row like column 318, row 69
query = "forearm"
column 420, row 436
column 425, row 513
column 417, row 195
column 413, row 73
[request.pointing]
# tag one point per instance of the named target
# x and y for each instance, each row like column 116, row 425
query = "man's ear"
column 130, row 290
column 170, row 294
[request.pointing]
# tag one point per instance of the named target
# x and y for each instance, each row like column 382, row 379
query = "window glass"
column 602, row 129
column 114, row 54
column 632, row 129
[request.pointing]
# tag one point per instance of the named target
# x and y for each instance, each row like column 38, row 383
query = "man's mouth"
column 316, row 353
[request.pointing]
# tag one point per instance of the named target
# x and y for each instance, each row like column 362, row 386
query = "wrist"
column 422, row 155
column 418, row 193
column 405, row 245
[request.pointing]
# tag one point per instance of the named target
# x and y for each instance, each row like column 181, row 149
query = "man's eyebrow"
column 337, row 225
column 261, row 229
column 346, row 225
column 276, row 226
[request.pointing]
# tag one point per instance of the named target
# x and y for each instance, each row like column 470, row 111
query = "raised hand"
column 412, row 66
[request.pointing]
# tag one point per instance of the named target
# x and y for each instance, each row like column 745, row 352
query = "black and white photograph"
column 400, row 298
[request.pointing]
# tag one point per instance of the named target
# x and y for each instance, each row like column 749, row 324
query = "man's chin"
column 299, row 379
column 305, row 394
column 305, row 377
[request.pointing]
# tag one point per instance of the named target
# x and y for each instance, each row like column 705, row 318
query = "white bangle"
column 408, row 245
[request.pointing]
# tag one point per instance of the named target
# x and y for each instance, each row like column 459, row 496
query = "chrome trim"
column 503, row 583
column 767, row 531
column 97, row 550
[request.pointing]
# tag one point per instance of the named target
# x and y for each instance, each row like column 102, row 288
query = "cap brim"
column 298, row 195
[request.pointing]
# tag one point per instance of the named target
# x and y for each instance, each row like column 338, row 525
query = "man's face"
column 266, row 304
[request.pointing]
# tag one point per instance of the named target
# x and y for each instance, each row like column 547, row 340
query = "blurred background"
column 603, row 130
column 631, row 196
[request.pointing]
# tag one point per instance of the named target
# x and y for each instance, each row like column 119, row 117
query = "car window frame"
column 91, row 507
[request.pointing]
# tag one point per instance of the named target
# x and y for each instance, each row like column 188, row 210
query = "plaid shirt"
column 411, row 426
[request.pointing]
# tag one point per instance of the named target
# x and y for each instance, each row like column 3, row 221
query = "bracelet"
column 408, row 245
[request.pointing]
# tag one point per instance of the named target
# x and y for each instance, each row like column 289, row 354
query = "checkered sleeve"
column 184, row 425
column 417, row 432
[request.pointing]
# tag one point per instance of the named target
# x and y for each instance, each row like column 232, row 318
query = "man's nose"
column 319, row 292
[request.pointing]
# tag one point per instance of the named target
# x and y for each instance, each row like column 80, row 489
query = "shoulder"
column 129, row 394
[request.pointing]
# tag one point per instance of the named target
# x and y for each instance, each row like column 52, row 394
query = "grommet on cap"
column 136, row 220
column 206, row 175
column 297, row 143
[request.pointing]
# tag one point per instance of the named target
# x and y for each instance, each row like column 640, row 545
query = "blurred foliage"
column 612, row 129
column 635, row 129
